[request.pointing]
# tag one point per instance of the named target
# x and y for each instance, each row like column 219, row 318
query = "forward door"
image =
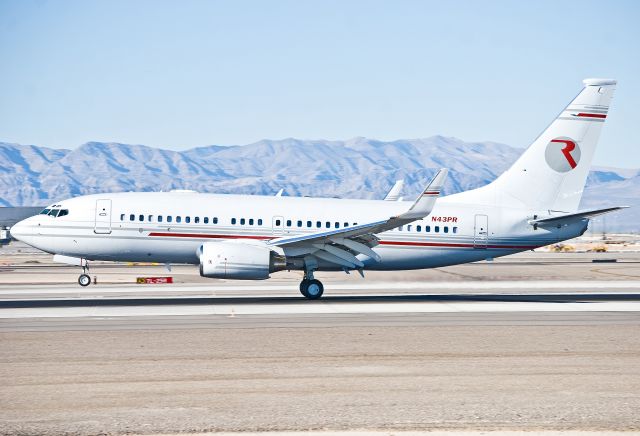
column 481, row 231
column 103, row 217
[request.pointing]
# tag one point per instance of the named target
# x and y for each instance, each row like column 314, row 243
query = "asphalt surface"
column 535, row 343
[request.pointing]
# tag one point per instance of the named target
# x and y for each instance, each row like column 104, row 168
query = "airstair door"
column 103, row 217
column 481, row 231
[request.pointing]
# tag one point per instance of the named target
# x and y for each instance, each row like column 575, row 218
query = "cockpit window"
column 55, row 212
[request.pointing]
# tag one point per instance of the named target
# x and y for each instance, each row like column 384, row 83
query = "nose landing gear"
column 84, row 279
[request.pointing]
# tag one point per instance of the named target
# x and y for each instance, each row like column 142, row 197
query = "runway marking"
column 319, row 308
column 293, row 286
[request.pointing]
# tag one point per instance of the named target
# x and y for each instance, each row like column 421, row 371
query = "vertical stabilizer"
column 551, row 173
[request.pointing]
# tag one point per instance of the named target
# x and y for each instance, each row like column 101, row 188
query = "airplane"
column 532, row 204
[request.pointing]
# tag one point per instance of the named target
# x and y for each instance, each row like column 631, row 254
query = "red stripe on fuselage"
column 398, row 243
column 208, row 236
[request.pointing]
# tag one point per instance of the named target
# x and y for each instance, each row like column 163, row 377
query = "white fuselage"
column 170, row 227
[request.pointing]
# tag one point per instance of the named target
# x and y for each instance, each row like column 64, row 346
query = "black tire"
column 313, row 290
column 84, row 280
column 303, row 287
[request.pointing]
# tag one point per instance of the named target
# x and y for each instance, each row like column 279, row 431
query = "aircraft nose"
column 18, row 230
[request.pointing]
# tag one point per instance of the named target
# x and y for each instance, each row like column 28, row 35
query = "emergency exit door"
column 103, row 217
column 481, row 231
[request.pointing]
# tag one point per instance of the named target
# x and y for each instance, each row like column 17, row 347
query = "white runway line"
column 307, row 308
column 373, row 286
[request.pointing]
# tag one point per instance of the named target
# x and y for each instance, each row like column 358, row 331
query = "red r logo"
column 568, row 148
column 563, row 154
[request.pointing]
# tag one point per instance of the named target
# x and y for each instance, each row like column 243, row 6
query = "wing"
column 341, row 246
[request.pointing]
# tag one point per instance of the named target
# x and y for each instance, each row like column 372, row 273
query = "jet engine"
column 239, row 260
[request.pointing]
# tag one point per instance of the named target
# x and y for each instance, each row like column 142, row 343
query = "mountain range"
column 356, row 168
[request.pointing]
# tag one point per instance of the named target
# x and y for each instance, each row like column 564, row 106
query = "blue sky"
column 189, row 73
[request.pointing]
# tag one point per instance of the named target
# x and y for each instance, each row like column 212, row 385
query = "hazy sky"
column 182, row 74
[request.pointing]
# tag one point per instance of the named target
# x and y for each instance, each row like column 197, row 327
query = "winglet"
column 394, row 193
column 424, row 204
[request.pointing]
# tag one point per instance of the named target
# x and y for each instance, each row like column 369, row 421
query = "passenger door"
column 481, row 231
column 103, row 217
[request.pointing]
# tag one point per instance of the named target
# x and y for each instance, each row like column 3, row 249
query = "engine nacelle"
column 239, row 260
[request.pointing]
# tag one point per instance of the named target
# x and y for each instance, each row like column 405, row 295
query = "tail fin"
column 552, row 172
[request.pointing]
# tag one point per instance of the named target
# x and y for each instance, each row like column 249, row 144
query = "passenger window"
column 308, row 223
column 206, row 220
column 437, row 229
column 242, row 221
column 250, row 221
column 121, row 217
column 318, row 224
column 427, row 229
column 277, row 223
column 346, row 224
column 159, row 218
column 150, row 218
column 455, row 230
column 140, row 217
column 400, row 228
column 446, row 229
column 259, row 221
column 196, row 219
column 409, row 228
column 169, row 218
column 355, row 224
column 178, row 219
column 337, row 225
column 187, row 219
column 418, row 228
column 233, row 221
column 288, row 223
column 215, row 220
column 299, row 223
column 132, row 217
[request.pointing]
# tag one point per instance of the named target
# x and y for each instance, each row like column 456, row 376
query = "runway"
column 506, row 345
column 343, row 299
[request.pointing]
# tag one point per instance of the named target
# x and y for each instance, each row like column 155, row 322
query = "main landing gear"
column 310, row 287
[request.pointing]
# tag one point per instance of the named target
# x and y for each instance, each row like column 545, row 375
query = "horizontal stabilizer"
column 571, row 217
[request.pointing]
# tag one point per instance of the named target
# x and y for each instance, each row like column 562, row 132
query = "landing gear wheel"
column 84, row 280
column 303, row 287
column 312, row 289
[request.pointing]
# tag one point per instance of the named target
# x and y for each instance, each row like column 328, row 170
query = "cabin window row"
column 246, row 221
column 310, row 224
column 428, row 229
column 169, row 219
